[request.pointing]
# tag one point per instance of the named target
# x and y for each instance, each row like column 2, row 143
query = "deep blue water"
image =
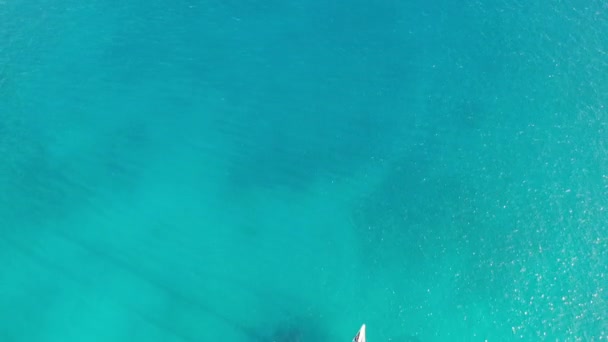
column 287, row 170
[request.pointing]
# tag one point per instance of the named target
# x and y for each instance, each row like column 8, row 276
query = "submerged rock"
column 297, row 330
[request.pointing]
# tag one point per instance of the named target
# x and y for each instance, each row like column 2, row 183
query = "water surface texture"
column 283, row 171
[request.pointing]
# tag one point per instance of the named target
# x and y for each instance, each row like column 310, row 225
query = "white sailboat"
column 360, row 337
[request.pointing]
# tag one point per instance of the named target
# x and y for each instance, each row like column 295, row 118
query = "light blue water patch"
column 285, row 171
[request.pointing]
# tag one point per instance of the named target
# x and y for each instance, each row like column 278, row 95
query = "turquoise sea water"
column 287, row 170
